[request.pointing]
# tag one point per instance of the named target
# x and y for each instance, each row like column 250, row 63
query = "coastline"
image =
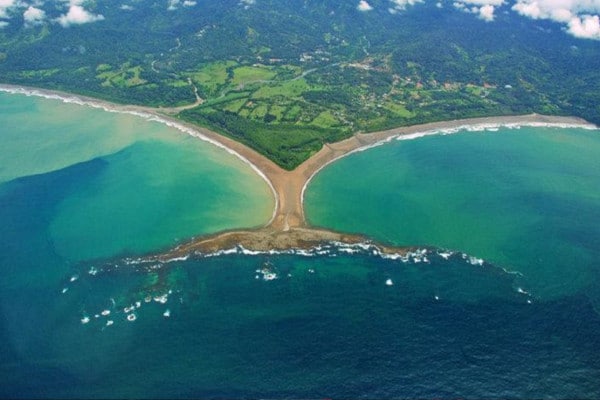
column 366, row 141
column 301, row 241
column 154, row 114
column 287, row 227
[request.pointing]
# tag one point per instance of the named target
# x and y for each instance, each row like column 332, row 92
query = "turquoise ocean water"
column 84, row 192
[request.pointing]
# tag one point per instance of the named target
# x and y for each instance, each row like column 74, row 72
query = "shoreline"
column 449, row 127
column 149, row 114
column 288, row 227
column 268, row 241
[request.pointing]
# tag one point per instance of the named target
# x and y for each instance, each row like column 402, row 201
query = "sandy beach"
column 288, row 186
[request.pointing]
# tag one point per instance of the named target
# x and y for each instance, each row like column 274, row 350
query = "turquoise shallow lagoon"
column 83, row 192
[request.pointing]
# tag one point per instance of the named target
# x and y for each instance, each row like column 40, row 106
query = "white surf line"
column 491, row 126
column 481, row 127
column 147, row 115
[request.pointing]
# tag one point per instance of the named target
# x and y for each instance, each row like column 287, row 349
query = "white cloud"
column 34, row 16
column 78, row 15
column 399, row 5
column 482, row 3
column 587, row 27
column 579, row 16
column 364, row 6
column 247, row 3
column 3, row 24
column 173, row 4
column 5, row 7
column 126, row 7
column 484, row 9
column 486, row 12
column 562, row 15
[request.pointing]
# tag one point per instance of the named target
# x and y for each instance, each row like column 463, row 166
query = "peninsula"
column 288, row 227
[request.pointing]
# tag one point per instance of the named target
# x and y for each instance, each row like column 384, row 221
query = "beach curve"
column 288, row 227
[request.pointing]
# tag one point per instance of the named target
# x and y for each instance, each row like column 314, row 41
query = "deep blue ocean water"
column 442, row 324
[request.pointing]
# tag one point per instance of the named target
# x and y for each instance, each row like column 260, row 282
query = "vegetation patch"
column 290, row 89
column 249, row 74
column 296, row 77
column 286, row 144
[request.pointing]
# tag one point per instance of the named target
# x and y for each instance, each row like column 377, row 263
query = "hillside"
column 285, row 77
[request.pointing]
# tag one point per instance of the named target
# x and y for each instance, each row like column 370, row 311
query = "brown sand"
column 268, row 239
column 288, row 227
column 289, row 185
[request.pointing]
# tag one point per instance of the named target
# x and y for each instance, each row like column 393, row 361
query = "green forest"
column 285, row 77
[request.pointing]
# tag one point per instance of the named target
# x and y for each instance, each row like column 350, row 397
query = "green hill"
column 284, row 77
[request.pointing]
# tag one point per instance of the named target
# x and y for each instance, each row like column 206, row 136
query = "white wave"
column 127, row 310
column 348, row 250
column 475, row 261
column 247, row 252
column 493, row 127
column 225, row 252
column 131, row 317
column 389, row 282
column 161, row 299
column 522, row 291
column 331, row 249
column 334, row 249
column 269, row 276
column 85, row 320
column 175, row 259
column 268, row 272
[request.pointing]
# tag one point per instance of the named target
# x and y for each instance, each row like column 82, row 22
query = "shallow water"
column 110, row 183
column 341, row 323
column 526, row 199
